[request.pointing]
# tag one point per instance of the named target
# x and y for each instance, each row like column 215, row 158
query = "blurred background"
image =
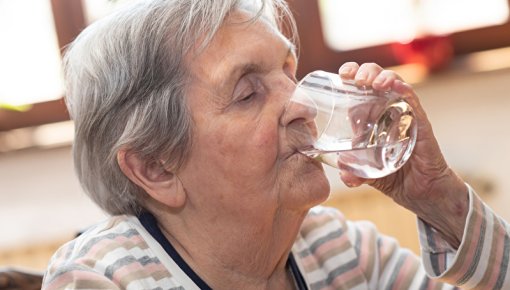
column 456, row 53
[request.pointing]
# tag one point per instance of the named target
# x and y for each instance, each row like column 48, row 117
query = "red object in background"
column 433, row 52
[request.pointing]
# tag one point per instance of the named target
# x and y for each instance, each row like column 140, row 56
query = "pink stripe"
column 147, row 270
column 494, row 266
column 332, row 244
column 311, row 260
column 100, row 246
column 405, row 271
column 470, row 251
column 136, row 239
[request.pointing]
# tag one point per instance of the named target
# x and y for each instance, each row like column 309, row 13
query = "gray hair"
column 125, row 83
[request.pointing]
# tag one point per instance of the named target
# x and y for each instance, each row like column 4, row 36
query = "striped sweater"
column 330, row 252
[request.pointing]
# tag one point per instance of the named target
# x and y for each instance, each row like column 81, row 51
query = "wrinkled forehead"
column 241, row 37
column 237, row 21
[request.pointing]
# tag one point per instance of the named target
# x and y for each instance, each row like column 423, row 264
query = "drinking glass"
column 366, row 132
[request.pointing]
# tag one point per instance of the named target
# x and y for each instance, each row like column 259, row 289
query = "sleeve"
column 385, row 264
column 481, row 262
column 77, row 276
column 63, row 273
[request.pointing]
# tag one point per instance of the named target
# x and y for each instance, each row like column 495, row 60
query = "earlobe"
column 160, row 184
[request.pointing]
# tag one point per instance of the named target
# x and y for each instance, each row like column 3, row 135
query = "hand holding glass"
column 363, row 131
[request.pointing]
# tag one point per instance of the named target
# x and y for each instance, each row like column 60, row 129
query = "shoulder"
column 116, row 234
column 109, row 252
column 322, row 218
column 321, row 225
column 326, row 248
column 328, row 226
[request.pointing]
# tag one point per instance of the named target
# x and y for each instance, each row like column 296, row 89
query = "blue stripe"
column 319, row 242
column 433, row 257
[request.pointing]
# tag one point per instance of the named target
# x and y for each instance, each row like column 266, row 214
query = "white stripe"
column 322, row 231
column 482, row 266
column 330, row 264
column 388, row 270
column 146, row 283
column 340, row 259
column 118, row 253
column 419, row 276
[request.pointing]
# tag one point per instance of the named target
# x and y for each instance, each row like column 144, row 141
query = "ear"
column 160, row 184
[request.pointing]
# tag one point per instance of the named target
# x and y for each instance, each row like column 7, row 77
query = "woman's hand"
column 425, row 184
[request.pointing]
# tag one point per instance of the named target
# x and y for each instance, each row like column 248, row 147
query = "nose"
column 300, row 108
column 298, row 120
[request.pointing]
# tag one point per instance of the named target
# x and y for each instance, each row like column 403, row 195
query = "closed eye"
column 248, row 98
column 252, row 88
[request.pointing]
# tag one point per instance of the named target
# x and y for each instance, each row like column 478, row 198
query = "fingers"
column 368, row 74
column 351, row 180
column 348, row 70
column 385, row 80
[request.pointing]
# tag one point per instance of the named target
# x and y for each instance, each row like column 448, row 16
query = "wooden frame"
column 315, row 54
column 70, row 20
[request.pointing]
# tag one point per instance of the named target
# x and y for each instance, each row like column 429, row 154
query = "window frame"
column 70, row 20
column 315, row 54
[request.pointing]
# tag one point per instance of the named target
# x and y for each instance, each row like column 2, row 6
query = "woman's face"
column 241, row 163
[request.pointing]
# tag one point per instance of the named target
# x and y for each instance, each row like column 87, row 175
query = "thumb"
column 350, row 179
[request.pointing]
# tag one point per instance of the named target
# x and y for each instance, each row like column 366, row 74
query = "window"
column 32, row 31
column 331, row 35
column 29, row 54
column 356, row 24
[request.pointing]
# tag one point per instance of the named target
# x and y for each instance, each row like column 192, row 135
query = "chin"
column 310, row 186
column 320, row 189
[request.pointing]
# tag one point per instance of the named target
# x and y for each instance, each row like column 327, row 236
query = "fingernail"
column 361, row 76
column 345, row 70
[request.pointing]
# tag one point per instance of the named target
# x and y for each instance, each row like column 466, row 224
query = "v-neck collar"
column 150, row 224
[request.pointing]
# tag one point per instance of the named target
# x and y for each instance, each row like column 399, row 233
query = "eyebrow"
column 247, row 68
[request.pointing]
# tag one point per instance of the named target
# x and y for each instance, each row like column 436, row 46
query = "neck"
column 233, row 252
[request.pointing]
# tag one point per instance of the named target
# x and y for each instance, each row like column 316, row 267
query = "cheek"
column 265, row 139
column 245, row 149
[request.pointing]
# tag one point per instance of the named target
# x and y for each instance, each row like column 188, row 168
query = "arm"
column 385, row 264
column 338, row 254
column 425, row 185
column 481, row 261
column 464, row 242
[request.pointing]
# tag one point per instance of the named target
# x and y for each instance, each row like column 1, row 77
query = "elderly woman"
column 178, row 107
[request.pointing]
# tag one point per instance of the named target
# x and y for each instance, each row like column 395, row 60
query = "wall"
column 40, row 198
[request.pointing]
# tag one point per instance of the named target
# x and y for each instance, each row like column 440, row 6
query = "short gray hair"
column 125, row 83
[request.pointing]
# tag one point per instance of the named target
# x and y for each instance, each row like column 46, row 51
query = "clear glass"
column 366, row 132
